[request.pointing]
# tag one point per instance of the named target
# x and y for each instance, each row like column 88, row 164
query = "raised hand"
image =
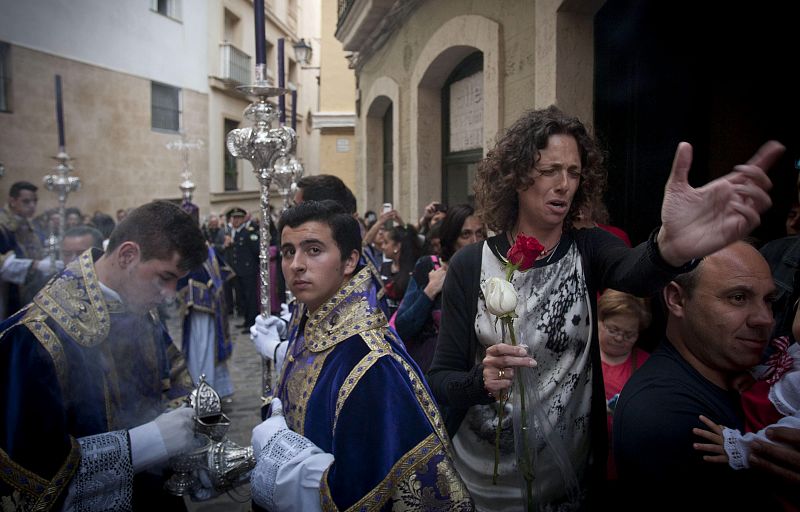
column 435, row 282
column 699, row 221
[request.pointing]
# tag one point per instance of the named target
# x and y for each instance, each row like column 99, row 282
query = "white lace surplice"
column 104, row 480
column 554, row 320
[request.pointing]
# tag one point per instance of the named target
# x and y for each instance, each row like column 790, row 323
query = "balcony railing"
column 235, row 64
column 344, row 8
column 360, row 21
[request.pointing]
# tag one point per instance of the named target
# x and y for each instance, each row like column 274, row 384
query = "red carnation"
column 524, row 252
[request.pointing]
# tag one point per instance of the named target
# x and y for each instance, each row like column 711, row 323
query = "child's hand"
column 716, row 445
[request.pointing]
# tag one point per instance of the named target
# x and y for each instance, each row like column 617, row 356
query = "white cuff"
column 147, row 447
column 15, row 270
column 288, row 474
column 298, row 484
column 736, row 447
column 104, row 478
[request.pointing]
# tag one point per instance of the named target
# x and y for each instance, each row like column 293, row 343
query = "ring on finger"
column 501, row 373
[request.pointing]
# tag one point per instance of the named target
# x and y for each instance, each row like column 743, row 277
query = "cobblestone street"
column 244, row 413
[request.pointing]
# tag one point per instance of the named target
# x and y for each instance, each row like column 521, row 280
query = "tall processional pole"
column 262, row 145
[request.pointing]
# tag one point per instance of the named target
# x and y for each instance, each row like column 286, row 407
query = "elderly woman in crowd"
column 621, row 317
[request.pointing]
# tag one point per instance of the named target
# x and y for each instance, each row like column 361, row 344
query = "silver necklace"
column 552, row 251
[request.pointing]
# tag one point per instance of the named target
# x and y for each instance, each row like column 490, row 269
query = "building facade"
column 137, row 76
column 231, row 47
column 438, row 81
column 334, row 119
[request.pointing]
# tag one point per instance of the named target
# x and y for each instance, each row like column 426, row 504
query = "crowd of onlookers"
column 47, row 223
column 413, row 260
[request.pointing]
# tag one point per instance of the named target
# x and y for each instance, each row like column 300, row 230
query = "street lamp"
column 302, row 52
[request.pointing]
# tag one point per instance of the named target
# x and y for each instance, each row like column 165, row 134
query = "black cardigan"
column 454, row 377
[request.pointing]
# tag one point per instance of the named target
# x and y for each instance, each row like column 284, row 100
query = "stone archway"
column 447, row 47
column 384, row 93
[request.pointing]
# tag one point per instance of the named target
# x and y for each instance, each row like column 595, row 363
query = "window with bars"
column 5, row 77
column 165, row 107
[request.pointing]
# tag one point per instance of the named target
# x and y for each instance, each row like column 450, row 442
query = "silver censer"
column 224, row 463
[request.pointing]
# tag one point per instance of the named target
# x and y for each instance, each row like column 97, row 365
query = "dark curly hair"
column 507, row 167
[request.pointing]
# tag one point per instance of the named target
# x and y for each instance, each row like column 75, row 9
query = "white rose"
column 501, row 297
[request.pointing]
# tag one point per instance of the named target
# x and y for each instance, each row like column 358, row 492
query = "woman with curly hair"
column 542, row 171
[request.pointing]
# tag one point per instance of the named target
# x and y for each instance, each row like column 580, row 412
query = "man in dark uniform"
column 244, row 261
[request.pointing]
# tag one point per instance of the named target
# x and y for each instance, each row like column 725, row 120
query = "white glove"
column 47, row 266
column 269, row 427
column 289, row 468
column 177, row 430
column 168, row 435
column 266, row 333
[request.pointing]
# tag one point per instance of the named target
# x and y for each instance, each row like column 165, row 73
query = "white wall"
column 121, row 35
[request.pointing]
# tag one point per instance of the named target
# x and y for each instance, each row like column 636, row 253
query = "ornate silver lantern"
column 262, row 146
column 184, row 145
column 62, row 184
column 287, row 173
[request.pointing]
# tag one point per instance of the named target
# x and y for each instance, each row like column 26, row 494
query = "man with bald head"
column 719, row 319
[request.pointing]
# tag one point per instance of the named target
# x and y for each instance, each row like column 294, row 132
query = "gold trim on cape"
column 401, row 470
column 330, row 324
column 34, row 320
column 45, row 492
column 299, row 387
column 83, row 313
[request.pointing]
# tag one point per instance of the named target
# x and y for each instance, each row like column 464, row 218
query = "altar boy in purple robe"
column 353, row 424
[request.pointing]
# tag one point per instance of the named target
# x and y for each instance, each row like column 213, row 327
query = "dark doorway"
column 388, row 151
column 230, row 169
column 714, row 74
column 460, row 165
